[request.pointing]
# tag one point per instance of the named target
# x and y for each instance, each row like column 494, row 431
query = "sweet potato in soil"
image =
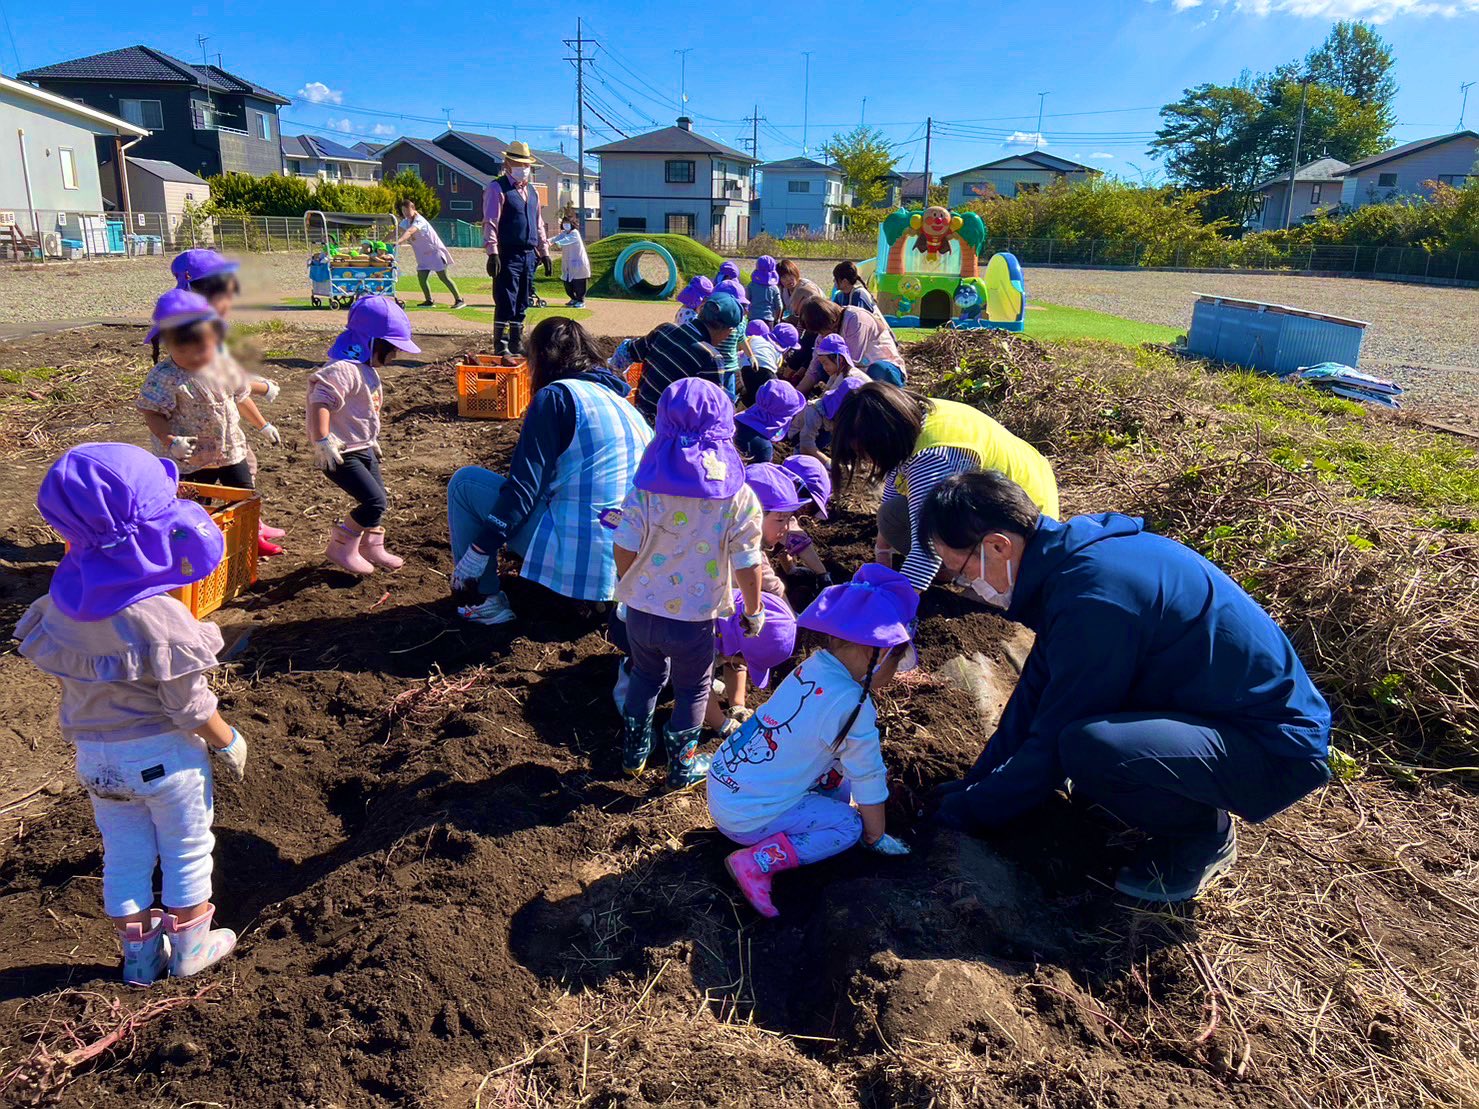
column 448, row 894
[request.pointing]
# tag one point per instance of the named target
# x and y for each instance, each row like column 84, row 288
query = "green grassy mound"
column 692, row 258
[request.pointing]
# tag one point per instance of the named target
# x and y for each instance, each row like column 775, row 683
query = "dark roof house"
column 1317, row 186
column 458, row 184
column 1411, row 169
column 201, row 117
column 371, row 148
column 323, row 159
column 680, row 139
column 555, row 173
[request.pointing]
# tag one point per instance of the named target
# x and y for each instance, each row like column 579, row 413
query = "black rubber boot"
column 516, row 338
column 500, row 338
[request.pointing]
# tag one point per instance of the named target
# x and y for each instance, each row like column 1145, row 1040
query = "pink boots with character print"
column 753, row 868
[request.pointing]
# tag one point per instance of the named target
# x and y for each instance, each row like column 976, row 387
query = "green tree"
column 1212, row 141
column 409, row 184
column 1357, row 61
column 940, row 195
column 865, row 158
column 1334, row 123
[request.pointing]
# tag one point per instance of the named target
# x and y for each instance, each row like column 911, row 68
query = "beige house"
column 157, row 186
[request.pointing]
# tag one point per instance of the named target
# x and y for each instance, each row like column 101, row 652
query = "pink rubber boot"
column 265, row 546
column 344, row 542
column 752, row 869
column 267, row 531
column 145, row 951
column 197, row 945
column 372, row 547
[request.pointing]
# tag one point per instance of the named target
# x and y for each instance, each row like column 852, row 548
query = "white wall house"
column 1317, row 187
column 321, row 159
column 1028, row 171
column 801, row 196
column 675, row 181
column 1405, row 170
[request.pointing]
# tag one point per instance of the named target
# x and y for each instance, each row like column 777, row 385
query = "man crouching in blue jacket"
column 1156, row 686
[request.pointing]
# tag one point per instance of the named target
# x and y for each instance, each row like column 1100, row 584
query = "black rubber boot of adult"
column 516, row 338
column 500, row 338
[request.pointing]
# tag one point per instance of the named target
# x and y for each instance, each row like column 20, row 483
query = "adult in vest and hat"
column 513, row 236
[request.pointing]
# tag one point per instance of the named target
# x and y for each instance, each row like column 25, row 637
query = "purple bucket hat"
column 831, row 402
column 835, row 345
column 774, row 487
column 764, row 273
column 786, row 337
column 728, row 271
column 773, row 646
column 757, row 327
column 198, row 264
column 692, row 452
column 371, row 318
column 734, row 289
column 695, row 293
column 179, row 308
column 811, row 477
column 131, row 536
column 873, row 610
column 776, row 404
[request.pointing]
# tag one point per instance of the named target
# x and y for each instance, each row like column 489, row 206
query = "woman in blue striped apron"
column 578, row 449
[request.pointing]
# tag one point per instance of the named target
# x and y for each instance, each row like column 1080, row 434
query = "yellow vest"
column 951, row 424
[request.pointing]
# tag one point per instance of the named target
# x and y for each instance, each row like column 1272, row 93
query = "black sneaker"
column 1172, row 870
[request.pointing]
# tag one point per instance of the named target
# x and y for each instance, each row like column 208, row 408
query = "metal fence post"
column 1091, row 252
column 1050, row 252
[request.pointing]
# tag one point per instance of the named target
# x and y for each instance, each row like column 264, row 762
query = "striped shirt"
column 923, row 472
column 669, row 353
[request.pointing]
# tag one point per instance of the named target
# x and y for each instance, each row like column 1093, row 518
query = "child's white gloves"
column 181, row 447
column 888, row 845
column 469, row 570
column 273, row 388
column 233, row 756
column 271, row 434
column 754, row 622
column 328, row 453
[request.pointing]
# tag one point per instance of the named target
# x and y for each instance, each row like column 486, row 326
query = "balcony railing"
column 207, row 119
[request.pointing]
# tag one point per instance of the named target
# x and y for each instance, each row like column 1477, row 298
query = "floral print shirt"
column 201, row 405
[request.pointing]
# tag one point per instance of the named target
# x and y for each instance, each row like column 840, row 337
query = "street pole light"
column 683, row 79
column 1464, row 104
column 806, row 102
column 1037, row 138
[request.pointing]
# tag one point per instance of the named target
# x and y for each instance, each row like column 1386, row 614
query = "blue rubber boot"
column 686, row 766
column 636, row 745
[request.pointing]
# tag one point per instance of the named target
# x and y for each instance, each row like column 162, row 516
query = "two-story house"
column 902, row 190
column 325, row 160
column 676, row 181
column 801, row 196
column 1406, row 170
column 1317, row 187
column 200, row 117
column 1030, row 171
column 556, row 176
column 458, row 184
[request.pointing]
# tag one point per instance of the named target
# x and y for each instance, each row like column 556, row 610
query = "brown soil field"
column 448, row 894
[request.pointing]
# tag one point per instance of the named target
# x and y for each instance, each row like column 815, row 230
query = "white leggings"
column 152, row 801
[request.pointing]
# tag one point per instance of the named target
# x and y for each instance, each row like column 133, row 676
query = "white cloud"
column 344, row 126
column 1026, row 138
column 316, row 92
column 1374, row 11
column 566, row 131
column 382, row 129
column 1100, row 156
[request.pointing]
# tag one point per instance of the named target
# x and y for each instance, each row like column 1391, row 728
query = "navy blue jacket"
column 1129, row 621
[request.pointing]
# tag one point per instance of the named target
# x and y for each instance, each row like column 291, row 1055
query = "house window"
column 680, row 223
column 1457, row 180
column 1315, row 193
column 1386, row 180
column 295, row 167
column 439, row 175
column 454, row 182
column 408, row 167
column 143, row 113
column 462, row 205
column 798, row 186
column 264, row 125
column 632, row 223
column 68, row 159
column 678, row 173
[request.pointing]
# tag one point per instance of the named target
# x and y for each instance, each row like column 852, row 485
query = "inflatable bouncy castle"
column 928, row 273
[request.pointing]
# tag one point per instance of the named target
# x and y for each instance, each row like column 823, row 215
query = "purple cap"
column 873, row 610
column 758, row 327
column 773, row 646
column 198, row 264
column 776, row 404
column 831, row 402
column 728, row 271
column 692, row 452
column 834, row 344
column 695, row 293
column 734, row 289
column 812, row 477
column 131, row 536
column 764, row 273
column 179, row 308
column 786, row 337
column 775, row 488
column 721, row 310
column 371, row 318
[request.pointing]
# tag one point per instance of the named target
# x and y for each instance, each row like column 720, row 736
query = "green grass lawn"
column 1055, row 323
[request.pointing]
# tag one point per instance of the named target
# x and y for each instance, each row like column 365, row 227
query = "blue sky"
column 1105, row 66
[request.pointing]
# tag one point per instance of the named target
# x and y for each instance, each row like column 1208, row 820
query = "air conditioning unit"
column 51, row 244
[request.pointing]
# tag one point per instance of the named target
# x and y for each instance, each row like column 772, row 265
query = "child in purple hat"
column 786, row 337
column 760, row 359
column 214, row 276
column 344, row 400
column 729, row 349
column 728, row 271
column 762, row 425
column 765, row 291
column 691, row 296
column 738, row 655
column 812, row 429
column 689, row 532
column 784, row 785
column 776, row 491
column 134, row 668
column 814, row 484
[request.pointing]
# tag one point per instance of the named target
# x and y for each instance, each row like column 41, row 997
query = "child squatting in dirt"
column 133, row 664
column 784, row 785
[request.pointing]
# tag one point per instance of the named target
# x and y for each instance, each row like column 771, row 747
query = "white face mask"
column 988, row 592
column 518, row 174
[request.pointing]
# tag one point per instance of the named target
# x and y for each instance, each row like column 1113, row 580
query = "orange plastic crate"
column 237, row 516
column 492, row 387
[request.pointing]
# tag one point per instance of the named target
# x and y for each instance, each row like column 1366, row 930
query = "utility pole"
column 806, row 102
column 863, row 115
column 683, row 79
column 1464, row 103
column 1304, row 95
column 754, row 146
column 580, row 60
column 929, row 131
column 1037, row 138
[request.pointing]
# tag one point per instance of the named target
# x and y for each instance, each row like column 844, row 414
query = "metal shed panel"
column 1272, row 338
column 1308, row 342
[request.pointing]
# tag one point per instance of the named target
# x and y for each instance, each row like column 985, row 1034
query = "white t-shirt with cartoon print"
column 785, row 749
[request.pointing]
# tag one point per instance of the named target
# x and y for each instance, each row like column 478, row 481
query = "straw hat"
column 519, row 154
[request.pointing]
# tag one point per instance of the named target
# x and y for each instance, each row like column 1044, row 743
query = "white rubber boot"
column 145, row 950
column 197, row 945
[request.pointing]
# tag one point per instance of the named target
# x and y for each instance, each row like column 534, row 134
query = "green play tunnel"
column 628, row 272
